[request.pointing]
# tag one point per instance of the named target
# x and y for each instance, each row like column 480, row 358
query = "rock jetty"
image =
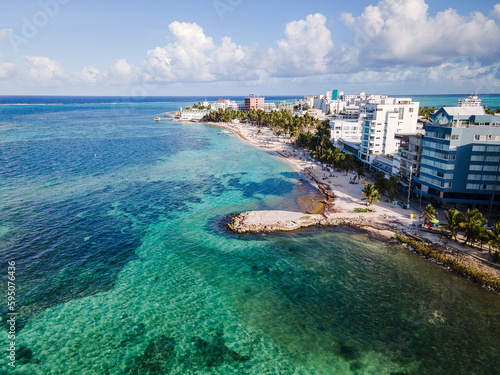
column 272, row 221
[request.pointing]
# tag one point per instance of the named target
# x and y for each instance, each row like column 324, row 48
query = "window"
column 474, row 177
column 475, row 167
column 490, row 168
column 439, row 155
column 493, row 149
column 477, row 158
column 454, row 137
column 479, row 137
column 478, row 148
column 490, row 177
column 493, row 158
column 439, row 174
column 472, row 186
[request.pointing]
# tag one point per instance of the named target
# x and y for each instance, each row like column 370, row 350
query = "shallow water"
column 124, row 265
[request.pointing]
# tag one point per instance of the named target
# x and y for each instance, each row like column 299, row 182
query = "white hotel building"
column 385, row 118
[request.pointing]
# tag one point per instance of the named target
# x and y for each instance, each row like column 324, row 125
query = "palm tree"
column 371, row 194
column 393, row 187
column 360, row 173
column 338, row 156
column 494, row 241
column 348, row 164
column 472, row 225
column 429, row 213
column 454, row 218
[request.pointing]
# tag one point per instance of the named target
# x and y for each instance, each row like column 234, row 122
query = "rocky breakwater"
column 324, row 188
column 272, row 221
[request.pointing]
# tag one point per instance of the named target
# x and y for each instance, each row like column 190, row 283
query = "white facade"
column 385, row 118
column 344, row 129
column 226, row 104
column 307, row 101
column 268, row 107
column 194, row 114
column 336, row 106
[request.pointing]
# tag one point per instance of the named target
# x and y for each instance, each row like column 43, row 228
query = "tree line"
column 472, row 225
column 283, row 122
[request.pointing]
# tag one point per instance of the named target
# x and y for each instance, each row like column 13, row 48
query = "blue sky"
column 237, row 47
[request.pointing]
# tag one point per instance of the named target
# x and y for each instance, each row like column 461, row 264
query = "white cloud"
column 8, row 71
column 195, row 57
column 43, row 69
column 90, row 75
column 186, row 59
column 5, row 32
column 305, row 48
column 495, row 13
column 401, row 32
column 121, row 68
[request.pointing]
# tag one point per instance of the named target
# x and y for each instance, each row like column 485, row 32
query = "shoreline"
column 307, row 202
column 342, row 197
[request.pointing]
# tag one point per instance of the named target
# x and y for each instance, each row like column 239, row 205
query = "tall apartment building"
column 461, row 156
column 347, row 129
column 254, row 101
column 409, row 156
column 383, row 118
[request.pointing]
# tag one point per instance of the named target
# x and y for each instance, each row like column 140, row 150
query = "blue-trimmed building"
column 461, row 157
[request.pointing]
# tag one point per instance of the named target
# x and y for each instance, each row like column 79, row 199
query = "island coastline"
column 341, row 197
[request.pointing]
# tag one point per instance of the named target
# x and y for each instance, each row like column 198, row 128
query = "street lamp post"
column 409, row 188
column 492, row 199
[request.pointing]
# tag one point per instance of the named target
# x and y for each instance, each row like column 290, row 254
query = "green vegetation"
column 359, row 210
column 371, row 194
column 429, row 213
column 310, row 133
column 472, row 226
column 454, row 218
column 479, row 277
column 426, row 111
column 282, row 121
column 489, row 111
column 198, row 106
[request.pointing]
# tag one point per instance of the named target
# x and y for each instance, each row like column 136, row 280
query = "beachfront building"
column 317, row 114
column 269, row 107
column 305, row 104
column 347, row 129
column 285, row 106
column 382, row 119
column 409, row 156
column 461, row 157
column 193, row 114
column 254, row 101
column 336, row 107
column 224, row 104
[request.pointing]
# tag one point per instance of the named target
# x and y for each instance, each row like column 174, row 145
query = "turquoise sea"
column 123, row 264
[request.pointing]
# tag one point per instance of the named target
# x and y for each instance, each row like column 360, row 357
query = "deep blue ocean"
column 116, row 224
